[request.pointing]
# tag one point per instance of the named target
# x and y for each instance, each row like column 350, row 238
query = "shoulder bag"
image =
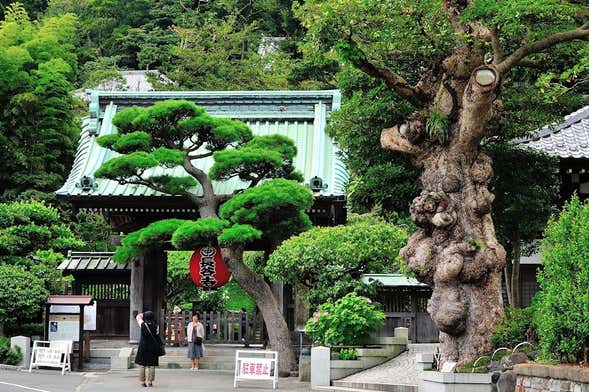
column 160, row 344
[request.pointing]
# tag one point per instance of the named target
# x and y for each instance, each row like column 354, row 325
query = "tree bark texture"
column 261, row 292
column 455, row 249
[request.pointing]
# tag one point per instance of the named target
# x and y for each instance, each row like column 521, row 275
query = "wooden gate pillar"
column 136, row 298
column 155, row 280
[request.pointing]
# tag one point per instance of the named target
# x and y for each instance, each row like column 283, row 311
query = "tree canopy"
column 38, row 129
column 267, row 206
column 329, row 261
column 33, row 240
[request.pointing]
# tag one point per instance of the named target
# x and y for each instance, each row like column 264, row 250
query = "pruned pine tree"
column 178, row 133
column 449, row 60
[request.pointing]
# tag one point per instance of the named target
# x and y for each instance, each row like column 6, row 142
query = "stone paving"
column 400, row 370
column 127, row 381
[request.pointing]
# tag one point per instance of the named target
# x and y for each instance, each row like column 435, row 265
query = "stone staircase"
column 399, row 374
column 220, row 357
column 216, row 357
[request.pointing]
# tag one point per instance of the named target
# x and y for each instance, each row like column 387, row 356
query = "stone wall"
column 548, row 378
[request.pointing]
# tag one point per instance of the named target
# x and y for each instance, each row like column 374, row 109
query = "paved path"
column 400, row 370
column 166, row 380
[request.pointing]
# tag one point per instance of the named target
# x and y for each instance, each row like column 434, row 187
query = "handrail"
column 521, row 344
column 499, row 349
column 474, row 365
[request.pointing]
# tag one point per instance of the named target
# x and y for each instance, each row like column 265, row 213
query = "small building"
column 569, row 141
column 97, row 275
column 404, row 302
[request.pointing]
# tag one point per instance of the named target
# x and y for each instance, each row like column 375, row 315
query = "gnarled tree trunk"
column 455, row 249
column 261, row 292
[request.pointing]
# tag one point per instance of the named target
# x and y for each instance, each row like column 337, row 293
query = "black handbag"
column 161, row 346
column 196, row 339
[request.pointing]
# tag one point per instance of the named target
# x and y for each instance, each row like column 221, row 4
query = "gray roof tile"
column 570, row 139
column 83, row 261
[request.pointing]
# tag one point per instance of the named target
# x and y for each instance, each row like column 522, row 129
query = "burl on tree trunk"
column 455, row 249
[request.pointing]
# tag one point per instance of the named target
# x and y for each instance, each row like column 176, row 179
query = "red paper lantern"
column 207, row 268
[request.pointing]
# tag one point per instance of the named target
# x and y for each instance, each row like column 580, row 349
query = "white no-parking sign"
column 256, row 365
column 51, row 354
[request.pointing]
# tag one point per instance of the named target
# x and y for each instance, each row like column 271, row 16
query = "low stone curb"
column 10, row 367
column 570, row 373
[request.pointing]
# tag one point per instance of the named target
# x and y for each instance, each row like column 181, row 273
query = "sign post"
column 256, row 365
column 66, row 318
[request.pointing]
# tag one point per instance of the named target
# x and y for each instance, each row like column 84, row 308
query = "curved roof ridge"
column 568, row 139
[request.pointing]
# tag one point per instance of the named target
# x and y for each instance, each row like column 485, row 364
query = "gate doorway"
column 220, row 327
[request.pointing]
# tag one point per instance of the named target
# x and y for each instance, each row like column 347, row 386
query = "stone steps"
column 337, row 389
column 342, row 386
column 375, row 386
column 217, row 357
column 219, row 362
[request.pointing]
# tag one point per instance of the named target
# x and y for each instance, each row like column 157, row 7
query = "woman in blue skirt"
column 195, row 333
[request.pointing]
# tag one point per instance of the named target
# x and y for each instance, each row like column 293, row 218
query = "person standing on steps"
column 195, row 334
column 149, row 348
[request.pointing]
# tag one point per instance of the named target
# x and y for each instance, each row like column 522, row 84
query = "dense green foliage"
column 32, row 235
column 9, row 356
column 348, row 354
column 379, row 178
column 330, row 260
column 33, row 241
column 238, row 298
column 564, row 297
column 408, row 37
column 518, row 326
column 22, row 294
column 276, row 208
column 349, row 321
column 38, row 129
column 178, row 133
column 524, row 180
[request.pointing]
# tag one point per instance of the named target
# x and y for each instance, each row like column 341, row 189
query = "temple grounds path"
column 166, row 380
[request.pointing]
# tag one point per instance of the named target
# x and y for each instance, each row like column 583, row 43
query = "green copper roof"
column 300, row 115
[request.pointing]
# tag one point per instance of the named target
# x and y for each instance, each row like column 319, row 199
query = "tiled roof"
column 83, row 261
column 569, row 139
column 300, row 115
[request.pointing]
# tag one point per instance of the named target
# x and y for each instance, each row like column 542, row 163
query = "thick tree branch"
column 516, row 57
column 496, row 45
column 199, row 156
column 141, row 181
column 200, row 176
column 392, row 139
column 393, row 80
column 536, row 64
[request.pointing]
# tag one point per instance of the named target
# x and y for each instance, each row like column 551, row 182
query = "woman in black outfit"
column 147, row 353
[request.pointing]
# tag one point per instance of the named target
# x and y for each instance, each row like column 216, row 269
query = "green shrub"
column 24, row 329
column 238, row 298
column 561, row 309
column 349, row 321
column 517, row 326
column 347, row 354
column 9, row 356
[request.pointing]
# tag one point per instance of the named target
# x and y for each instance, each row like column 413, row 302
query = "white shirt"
column 200, row 330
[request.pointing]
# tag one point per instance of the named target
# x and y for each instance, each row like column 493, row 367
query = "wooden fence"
column 220, row 327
